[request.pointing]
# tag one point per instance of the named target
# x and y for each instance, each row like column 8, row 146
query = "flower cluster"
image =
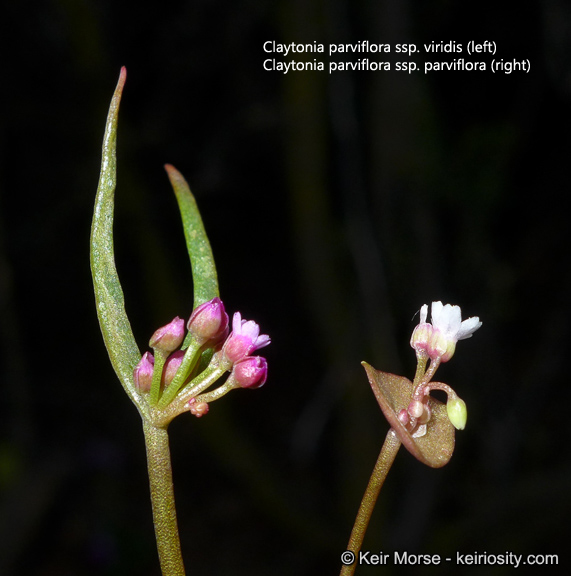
column 436, row 341
column 439, row 339
column 208, row 352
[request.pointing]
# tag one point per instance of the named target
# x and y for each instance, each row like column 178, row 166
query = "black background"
column 336, row 206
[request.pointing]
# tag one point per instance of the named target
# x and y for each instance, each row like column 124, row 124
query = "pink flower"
column 169, row 337
column 243, row 340
column 251, row 372
column 209, row 321
column 143, row 372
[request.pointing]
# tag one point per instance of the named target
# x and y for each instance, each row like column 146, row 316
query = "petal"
column 237, row 323
column 469, row 326
column 453, row 320
column 436, row 312
column 423, row 313
column 250, row 329
column 262, row 340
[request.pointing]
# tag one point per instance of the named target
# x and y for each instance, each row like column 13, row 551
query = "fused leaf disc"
column 393, row 393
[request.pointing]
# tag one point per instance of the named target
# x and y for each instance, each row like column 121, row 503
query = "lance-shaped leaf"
column 204, row 277
column 393, row 393
column 115, row 326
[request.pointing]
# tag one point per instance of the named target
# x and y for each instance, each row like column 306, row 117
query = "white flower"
column 439, row 338
column 448, row 320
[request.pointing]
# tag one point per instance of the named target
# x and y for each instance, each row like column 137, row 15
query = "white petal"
column 452, row 320
column 423, row 313
column 436, row 312
column 262, row 340
column 446, row 319
column 469, row 326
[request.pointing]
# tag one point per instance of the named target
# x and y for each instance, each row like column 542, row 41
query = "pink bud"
column 209, row 321
column 143, row 372
column 415, row 408
column 243, row 340
column 171, row 366
column 404, row 417
column 198, row 409
column 251, row 372
column 169, row 337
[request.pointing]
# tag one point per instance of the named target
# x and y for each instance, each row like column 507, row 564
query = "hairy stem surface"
column 383, row 465
column 162, row 499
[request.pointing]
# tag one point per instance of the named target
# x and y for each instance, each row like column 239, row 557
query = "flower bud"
column 171, row 367
column 251, row 372
column 415, row 408
column 143, row 372
column 457, row 412
column 421, row 336
column 422, row 332
column 404, row 417
column 198, row 409
column 209, row 321
column 169, row 337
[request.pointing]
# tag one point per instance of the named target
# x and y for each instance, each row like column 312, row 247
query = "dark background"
column 336, row 206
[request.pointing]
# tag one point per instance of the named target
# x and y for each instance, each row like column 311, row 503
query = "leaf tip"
column 121, row 82
column 369, row 370
column 178, row 181
column 174, row 175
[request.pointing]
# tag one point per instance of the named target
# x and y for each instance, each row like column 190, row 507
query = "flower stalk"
column 380, row 471
column 160, row 359
column 191, row 356
column 162, row 499
column 423, row 424
column 163, row 385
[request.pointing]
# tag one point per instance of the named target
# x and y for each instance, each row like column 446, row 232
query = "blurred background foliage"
column 336, row 206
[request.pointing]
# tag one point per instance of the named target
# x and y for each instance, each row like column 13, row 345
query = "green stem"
column 160, row 359
column 434, row 363
column 384, row 462
column 421, row 359
column 162, row 499
column 191, row 357
column 195, row 387
column 219, row 392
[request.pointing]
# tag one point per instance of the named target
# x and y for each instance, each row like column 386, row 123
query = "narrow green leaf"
column 115, row 326
column 204, row 275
